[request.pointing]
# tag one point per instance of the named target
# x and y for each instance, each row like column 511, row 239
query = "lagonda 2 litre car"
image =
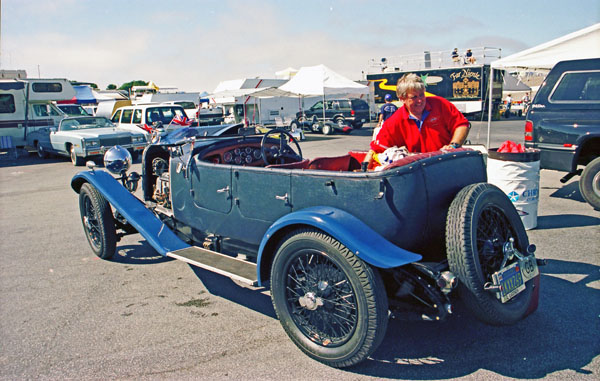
column 341, row 249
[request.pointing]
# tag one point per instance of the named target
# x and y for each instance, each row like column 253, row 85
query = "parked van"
column 26, row 105
column 143, row 116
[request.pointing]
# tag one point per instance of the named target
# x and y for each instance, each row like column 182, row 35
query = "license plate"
column 512, row 279
column 511, row 282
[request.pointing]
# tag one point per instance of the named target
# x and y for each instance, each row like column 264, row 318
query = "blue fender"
column 158, row 235
column 363, row 241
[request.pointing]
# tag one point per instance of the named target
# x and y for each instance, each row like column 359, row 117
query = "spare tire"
column 481, row 219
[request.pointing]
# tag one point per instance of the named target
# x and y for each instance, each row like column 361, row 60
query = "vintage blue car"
column 341, row 249
column 85, row 136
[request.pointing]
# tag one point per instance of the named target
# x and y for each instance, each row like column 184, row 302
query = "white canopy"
column 321, row 80
column 584, row 43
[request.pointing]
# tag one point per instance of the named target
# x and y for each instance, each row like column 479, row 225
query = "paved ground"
column 65, row 314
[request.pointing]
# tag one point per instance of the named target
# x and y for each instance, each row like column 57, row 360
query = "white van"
column 26, row 106
column 144, row 116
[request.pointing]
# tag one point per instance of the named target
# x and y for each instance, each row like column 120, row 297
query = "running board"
column 218, row 263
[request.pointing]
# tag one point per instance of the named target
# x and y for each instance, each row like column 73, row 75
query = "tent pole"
column 490, row 85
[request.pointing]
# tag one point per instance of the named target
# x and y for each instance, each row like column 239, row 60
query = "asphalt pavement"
column 66, row 314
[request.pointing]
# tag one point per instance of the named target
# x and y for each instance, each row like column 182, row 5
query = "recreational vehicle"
column 26, row 106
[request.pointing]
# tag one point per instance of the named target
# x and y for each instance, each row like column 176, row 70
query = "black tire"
column 589, row 183
column 98, row 222
column 327, row 129
column 42, row 153
column 134, row 155
column 312, row 268
column 481, row 219
column 76, row 160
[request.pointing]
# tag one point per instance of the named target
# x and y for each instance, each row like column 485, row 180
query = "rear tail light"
column 528, row 131
column 352, row 112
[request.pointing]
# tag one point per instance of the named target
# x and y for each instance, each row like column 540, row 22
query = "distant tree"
column 93, row 86
column 76, row 83
column 128, row 85
column 112, row 86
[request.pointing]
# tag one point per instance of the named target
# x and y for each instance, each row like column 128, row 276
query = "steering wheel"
column 279, row 154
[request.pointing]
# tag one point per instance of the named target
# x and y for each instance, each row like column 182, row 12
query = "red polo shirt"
column 437, row 129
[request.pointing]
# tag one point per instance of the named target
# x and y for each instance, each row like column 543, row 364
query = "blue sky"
column 193, row 45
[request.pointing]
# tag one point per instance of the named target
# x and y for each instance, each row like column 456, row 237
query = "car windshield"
column 163, row 114
column 186, row 104
column 70, row 124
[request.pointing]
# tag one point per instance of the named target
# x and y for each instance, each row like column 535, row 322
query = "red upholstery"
column 338, row 163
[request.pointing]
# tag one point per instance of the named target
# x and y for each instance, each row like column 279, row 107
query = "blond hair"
column 409, row 82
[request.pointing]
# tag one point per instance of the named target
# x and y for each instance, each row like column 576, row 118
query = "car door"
column 211, row 186
column 262, row 194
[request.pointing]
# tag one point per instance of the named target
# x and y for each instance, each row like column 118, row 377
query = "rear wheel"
column 327, row 129
column 98, row 222
column 330, row 303
column 42, row 153
column 589, row 183
column 481, row 220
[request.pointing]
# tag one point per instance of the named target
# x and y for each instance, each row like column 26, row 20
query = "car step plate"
column 219, row 263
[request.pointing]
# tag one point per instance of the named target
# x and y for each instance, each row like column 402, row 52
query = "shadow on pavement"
column 566, row 221
column 139, row 254
column 569, row 191
column 558, row 336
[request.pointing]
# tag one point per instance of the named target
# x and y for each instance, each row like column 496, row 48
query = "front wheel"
column 481, row 221
column 327, row 129
column 589, row 183
column 98, row 222
column 76, row 160
column 330, row 303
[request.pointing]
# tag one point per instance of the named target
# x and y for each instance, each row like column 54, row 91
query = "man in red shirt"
column 421, row 124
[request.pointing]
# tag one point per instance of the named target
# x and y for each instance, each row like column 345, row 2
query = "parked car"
column 339, row 248
column 353, row 112
column 563, row 122
column 212, row 116
column 73, row 110
column 83, row 137
column 148, row 117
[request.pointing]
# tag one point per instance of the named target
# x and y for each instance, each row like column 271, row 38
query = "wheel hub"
column 310, row 301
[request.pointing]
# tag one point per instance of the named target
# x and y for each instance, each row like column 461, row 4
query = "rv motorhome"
column 26, row 106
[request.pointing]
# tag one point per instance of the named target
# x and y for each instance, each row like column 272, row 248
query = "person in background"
column 455, row 56
column 526, row 100
column 508, row 106
column 421, row 124
column 384, row 113
column 469, row 58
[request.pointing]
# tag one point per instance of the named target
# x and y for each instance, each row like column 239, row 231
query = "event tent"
column 582, row 44
column 321, row 80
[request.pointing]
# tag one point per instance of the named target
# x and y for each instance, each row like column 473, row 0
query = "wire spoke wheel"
column 330, row 303
column 321, row 299
column 98, row 221
column 481, row 221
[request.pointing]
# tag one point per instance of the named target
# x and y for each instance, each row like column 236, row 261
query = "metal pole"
column 491, row 85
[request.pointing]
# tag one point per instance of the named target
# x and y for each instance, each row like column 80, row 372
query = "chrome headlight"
column 92, row 143
column 117, row 160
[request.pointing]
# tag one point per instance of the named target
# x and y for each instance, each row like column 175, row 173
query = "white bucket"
column 518, row 176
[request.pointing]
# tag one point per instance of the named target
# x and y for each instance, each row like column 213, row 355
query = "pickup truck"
column 563, row 122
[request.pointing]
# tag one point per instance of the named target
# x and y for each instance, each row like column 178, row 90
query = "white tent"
column 321, row 80
column 582, row 44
